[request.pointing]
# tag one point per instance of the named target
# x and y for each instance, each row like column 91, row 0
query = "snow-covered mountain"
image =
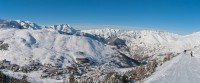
column 28, row 25
column 106, row 33
column 142, row 42
column 188, row 41
column 26, row 47
column 35, row 50
column 51, row 47
column 63, row 29
column 18, row 24
column 156, row 41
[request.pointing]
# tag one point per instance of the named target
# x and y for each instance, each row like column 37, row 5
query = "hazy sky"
column 181, row 16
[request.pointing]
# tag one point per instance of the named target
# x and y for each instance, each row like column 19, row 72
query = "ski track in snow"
column 181, row 69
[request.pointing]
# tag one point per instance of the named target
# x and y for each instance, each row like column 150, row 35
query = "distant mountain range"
column 31, row 47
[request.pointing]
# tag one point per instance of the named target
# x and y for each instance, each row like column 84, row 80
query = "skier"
column 185, row 51
column 191, row 54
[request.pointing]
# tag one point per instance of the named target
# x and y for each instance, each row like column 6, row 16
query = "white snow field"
column 181, row 69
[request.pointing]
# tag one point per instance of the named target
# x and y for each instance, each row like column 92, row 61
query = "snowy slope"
column 181, row 69
column 49, row 47
column 188, row 41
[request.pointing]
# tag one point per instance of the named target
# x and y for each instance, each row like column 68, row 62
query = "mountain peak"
column 63, row 28
column 29, row 25
column 18, row 24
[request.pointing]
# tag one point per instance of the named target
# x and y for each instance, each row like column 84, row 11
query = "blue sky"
column 180, row 16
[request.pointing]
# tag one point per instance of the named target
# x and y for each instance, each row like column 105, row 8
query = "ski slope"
column 181, row 69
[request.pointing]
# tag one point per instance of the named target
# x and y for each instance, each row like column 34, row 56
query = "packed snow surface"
column 181, row 69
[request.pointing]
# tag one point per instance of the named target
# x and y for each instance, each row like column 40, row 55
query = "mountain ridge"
column 27, row 47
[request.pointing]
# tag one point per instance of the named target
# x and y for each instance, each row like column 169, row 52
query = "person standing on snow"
column 191, row 53
column 185, row 51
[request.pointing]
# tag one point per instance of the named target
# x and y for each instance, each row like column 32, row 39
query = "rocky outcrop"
column 3, row 46
column 115, row 41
